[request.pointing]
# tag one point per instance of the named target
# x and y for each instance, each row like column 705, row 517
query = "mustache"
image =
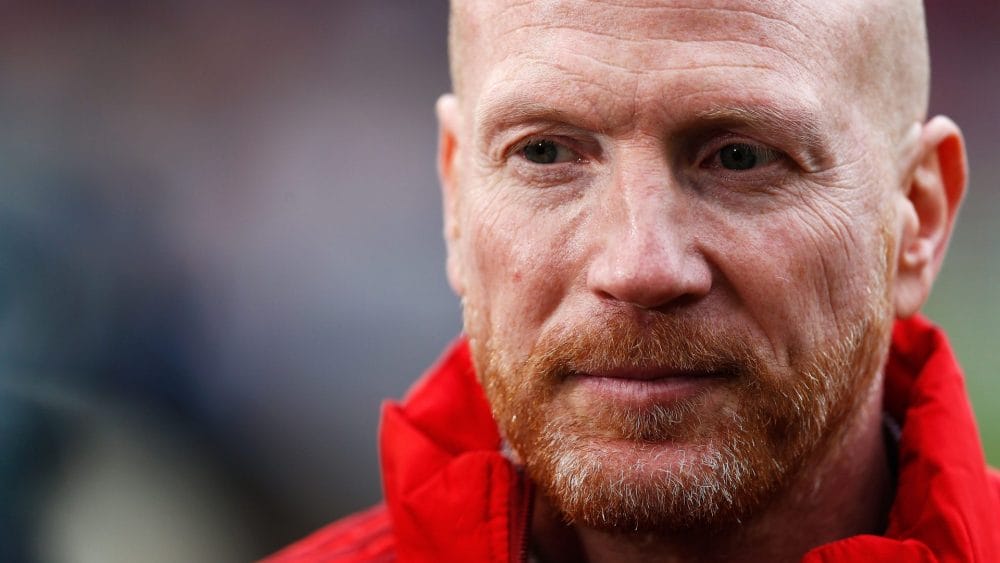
column 653, row 341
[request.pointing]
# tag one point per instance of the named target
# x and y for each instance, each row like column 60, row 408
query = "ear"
column 447, row 160
column 933, row 191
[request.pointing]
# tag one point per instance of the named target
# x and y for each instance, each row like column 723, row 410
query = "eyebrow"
column 501, row 112
column 800, row 126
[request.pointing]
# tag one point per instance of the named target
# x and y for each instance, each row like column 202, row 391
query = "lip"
column 641, row 387
column 650, row 374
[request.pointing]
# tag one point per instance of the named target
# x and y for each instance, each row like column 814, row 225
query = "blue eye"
column 544, row 151
column 744, row 156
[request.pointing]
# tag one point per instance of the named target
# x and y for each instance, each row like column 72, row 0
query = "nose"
column 647, row 253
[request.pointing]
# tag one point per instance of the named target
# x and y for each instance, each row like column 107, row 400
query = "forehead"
column 605, row 53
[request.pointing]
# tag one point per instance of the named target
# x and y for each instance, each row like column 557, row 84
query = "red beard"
column 706, row 461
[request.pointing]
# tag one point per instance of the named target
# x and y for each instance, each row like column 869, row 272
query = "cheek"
column 803, row 274
column 518, row 265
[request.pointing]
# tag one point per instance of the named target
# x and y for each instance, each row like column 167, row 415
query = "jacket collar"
column 451, row 495
column 946, row 506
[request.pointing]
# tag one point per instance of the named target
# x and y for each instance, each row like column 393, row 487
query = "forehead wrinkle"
column 805, row 34
column 600, row 16
column 646, row 70
column 722, row 11
column 663, row 47
column 622, row 31
column 523, row 89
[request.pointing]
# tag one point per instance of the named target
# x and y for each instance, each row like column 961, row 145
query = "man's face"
column 671, row 231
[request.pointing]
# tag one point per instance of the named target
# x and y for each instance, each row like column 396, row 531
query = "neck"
column 844, row 492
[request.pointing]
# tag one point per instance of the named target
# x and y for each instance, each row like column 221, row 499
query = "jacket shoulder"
column 994, row 475
column 365, row 536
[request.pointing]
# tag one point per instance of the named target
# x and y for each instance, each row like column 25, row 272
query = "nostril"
column 671, row 281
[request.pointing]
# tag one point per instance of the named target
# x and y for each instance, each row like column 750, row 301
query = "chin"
column 627, row 486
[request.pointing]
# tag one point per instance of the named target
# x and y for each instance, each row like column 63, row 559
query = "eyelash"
column 760, row 152
column 519, row 148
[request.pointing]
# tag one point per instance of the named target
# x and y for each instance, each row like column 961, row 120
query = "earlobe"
column 447, row 163
column 933, row 192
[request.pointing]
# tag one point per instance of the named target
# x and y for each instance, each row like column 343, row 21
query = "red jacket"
column 451, row 496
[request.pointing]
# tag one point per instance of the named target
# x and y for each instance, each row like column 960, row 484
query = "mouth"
column 641, row 387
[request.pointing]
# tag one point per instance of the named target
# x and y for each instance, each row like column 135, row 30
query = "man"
column 691, row 243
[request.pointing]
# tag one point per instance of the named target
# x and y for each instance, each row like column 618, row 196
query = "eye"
column 744, row 156
column 545, row 151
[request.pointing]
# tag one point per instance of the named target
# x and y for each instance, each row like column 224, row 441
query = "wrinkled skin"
column 601, row 232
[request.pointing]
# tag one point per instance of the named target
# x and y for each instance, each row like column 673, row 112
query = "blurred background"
column 220, row 250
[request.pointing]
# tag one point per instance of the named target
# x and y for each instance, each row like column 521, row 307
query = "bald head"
column 877, row 49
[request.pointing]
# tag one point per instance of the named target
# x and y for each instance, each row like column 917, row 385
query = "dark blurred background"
column 220, row 250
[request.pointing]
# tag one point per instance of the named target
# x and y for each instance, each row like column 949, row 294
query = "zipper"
column 521, row 501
